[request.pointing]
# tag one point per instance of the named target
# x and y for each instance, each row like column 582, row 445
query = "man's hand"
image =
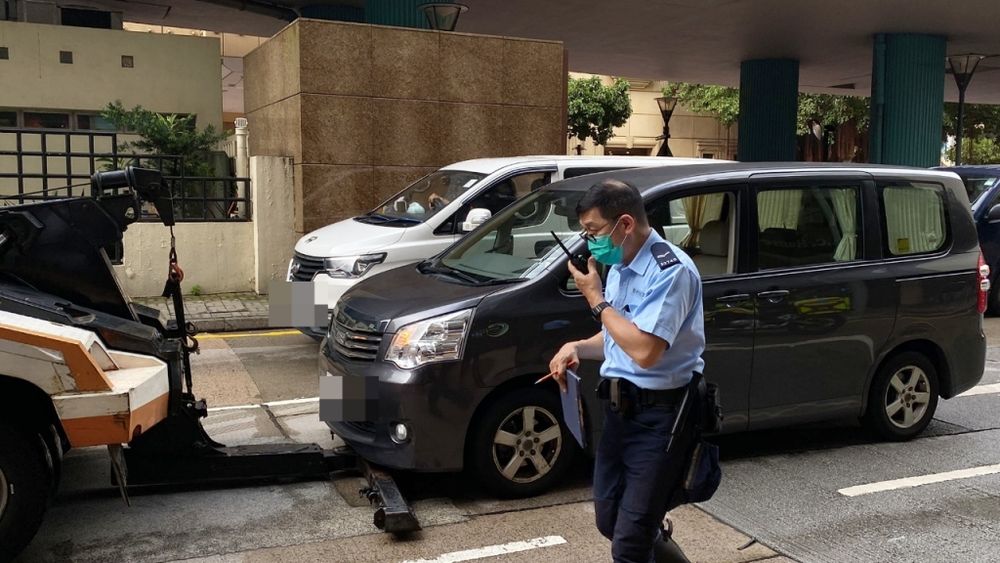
column 589, row 284
column 566, row 358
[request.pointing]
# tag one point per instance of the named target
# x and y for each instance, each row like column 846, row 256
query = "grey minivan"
column 829, row 292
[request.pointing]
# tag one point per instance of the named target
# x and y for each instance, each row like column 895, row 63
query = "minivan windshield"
column 422, row 199
column 516, row 244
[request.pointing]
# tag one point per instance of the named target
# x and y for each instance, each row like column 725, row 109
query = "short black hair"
column 613, row 198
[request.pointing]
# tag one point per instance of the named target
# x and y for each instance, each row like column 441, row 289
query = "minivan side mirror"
column 994, row 214
column 476, row 217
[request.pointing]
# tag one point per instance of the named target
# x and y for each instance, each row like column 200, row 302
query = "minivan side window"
column 499, row 196
column 914, row 215
column 803, row 226
column 702, row 226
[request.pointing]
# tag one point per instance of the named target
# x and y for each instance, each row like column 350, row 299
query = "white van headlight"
column 433, row 340
column 352, row 266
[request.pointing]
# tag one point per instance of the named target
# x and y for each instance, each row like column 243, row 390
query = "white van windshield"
column 517, row 244
column 424, row 198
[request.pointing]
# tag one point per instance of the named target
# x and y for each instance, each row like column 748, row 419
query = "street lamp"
column 667, row 105
column 443, row 16
column 962, row 67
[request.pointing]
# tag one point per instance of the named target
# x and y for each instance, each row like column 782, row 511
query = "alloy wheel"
column 907, row 397
column 527, row 444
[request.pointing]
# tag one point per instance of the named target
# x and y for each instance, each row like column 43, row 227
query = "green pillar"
column 907, row 101
column 769, row 98
column 399, row 13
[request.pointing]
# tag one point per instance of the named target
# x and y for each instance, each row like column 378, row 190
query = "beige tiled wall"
column 363, row 110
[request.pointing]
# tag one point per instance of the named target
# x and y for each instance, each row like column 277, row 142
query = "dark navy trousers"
column 634, row 478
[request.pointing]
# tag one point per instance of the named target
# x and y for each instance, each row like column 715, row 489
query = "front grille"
column 304, row 268
column 362, row 426
column 354, row 342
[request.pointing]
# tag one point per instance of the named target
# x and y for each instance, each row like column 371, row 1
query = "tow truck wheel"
column 25, row 481
column 521, row 446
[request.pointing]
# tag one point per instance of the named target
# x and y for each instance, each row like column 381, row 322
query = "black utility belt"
column 622, row 393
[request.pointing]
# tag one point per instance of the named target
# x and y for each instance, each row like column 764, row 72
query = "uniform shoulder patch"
column 664, row 257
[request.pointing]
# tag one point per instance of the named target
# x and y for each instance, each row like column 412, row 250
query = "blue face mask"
column 604, row 250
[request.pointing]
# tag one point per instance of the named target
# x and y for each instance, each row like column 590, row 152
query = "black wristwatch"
column 597, row 310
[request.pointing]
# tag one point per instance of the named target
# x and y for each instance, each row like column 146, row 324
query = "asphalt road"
column 780, row 487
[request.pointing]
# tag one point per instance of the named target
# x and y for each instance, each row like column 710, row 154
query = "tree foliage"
column 594, row 110
column 723, row 103
column 168, row 134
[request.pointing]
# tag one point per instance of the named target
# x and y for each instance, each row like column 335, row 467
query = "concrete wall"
column 274, row 233
column 171, row 74
column 691, row 134
column 365, row 109
column 216, row 256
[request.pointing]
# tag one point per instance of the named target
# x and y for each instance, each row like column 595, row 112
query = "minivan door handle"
column 775, row 296
column 730, row 300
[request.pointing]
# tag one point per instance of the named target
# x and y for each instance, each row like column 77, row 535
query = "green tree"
column 723, row 103
column 594, row 110
column 160, row 134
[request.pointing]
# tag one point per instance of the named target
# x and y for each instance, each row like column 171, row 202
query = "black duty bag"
column 700, row 412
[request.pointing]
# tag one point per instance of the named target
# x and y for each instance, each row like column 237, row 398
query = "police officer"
column 651, row 344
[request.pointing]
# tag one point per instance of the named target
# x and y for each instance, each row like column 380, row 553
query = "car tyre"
column 903, row 397
column 521, row 446
column 25, row 488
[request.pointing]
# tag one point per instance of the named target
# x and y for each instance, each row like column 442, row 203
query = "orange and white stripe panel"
column 101, row 396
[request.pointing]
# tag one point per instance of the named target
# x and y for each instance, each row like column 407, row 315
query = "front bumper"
column 435, row 402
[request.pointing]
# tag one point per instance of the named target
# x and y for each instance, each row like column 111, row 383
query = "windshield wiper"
column 389, row 218
column 502, row 281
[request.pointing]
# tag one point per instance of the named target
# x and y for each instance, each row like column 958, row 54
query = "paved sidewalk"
column 218, row 312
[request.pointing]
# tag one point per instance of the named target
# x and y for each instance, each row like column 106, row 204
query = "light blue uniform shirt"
column 665, row 302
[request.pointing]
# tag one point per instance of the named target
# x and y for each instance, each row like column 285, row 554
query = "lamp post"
column 443, row 16
column 962, row 68
column 667, row 105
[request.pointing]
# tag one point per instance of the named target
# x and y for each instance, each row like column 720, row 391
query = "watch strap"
column 599, row 308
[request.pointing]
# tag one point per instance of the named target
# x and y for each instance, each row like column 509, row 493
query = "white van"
column 430, row 214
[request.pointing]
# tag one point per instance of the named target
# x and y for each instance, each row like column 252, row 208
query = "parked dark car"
column 982, row 184
column 829, row 292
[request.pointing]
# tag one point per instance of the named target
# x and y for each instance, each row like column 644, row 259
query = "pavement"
column 217, row 312
column 260, row 388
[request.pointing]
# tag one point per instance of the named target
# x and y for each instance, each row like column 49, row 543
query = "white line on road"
column 909, row 482
column 493, row 550
column 982, row 390
column 268, row 404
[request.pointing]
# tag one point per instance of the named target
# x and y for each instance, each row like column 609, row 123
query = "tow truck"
column 82, row 365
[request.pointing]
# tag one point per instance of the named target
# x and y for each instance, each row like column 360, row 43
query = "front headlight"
column 352, row 266
column 432, row 340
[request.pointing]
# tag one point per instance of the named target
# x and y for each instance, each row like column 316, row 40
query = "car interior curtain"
column 845, row 206
column 778, row 209
column 699, row 210
column 914, row 218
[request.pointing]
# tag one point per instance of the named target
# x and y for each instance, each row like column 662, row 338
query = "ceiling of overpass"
column 682, row 40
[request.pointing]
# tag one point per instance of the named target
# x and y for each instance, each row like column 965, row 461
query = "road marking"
column 982, row 390
column 268, row 404
column 247, row 334
column 493, row 550
column 909, row 482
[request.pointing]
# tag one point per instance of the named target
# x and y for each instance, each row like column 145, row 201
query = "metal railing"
column 40, row 164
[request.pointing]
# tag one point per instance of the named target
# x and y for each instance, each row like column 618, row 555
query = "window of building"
column 93, row 122
column 4, row 53
column 914, row 218
column 44, row 120
column 807, row 225
column 78, row 17
column 8, row 118
column 128, row 61
column 66, row 57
